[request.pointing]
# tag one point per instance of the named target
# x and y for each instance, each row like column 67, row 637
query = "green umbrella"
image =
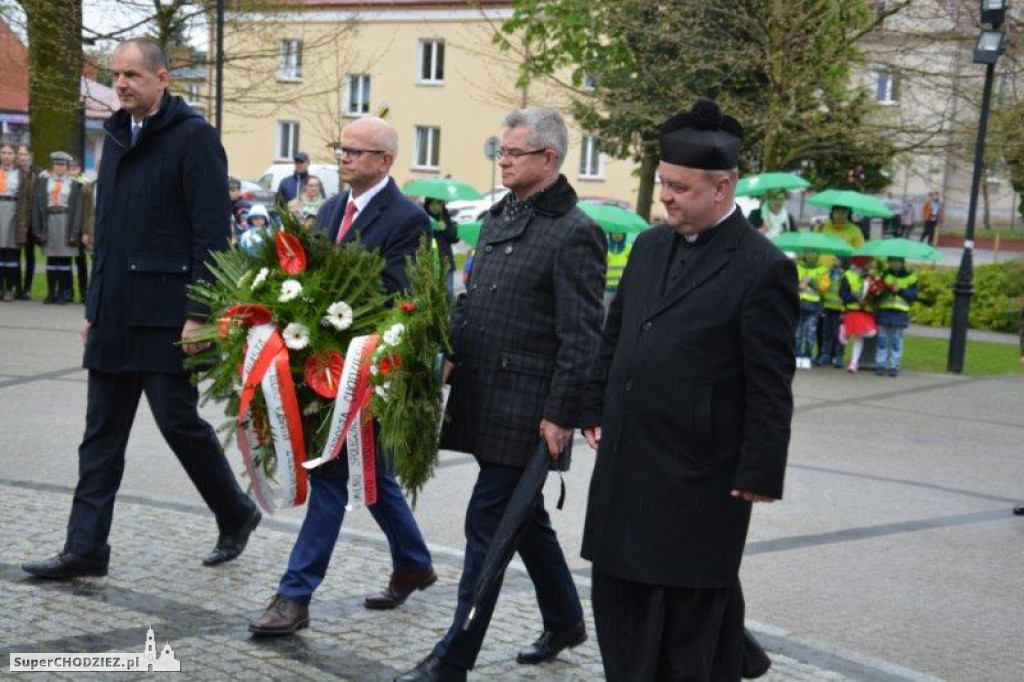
column 613, row 219
column 858, row 202
column 470, row 232
column 444, row 189
column 899, row 248
column 812, row 241
column 762, row 183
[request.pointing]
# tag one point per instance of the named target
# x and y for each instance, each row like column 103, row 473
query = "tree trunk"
column 55, row 69
column 645, row 192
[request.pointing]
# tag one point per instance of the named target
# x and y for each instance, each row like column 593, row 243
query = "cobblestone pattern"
column 156, row 580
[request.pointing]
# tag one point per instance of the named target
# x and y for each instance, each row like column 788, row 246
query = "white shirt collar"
column 366, row 197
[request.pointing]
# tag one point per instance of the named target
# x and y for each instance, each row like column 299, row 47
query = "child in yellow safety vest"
column 858, row 322
column 618, row 256
column 892, row 313
column 830, row 350
column 814, row 282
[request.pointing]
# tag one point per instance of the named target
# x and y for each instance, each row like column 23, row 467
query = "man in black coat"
column 379, row 217
column 524, row 335
column 689, row 407
column 161, row 207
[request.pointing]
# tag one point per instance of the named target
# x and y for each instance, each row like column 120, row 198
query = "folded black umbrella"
column 510, row 531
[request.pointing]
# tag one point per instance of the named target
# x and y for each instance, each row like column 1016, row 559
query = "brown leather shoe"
column 404, row 581
column 282, row 617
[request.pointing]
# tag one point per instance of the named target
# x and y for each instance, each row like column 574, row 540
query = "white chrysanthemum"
column 290, row 290
column 383, row 389
column 296, row 336
column 374, row 369
column 261, row 277
column 339, row 316
column 394, row 334
column 244, row 279
column 312, row 408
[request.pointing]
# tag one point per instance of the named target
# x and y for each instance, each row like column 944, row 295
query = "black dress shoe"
column 433, row 669
column 549, row 644
column 66, row 565
column 230, row 545
column 1019, row 509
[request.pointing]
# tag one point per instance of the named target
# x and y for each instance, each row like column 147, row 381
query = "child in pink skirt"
column 858, row 320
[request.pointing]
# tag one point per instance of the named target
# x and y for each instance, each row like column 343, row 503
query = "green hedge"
column 995, row 305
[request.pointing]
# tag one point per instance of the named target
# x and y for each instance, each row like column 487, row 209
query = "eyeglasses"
column 516, row 153
column 353, row 153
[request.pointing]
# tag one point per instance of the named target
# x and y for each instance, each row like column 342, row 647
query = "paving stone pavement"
column 156, row 580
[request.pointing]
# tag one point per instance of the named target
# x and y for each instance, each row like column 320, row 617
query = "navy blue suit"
column 393, row 226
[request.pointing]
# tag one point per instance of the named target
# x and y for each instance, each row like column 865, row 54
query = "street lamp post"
column 987, row 51
column 218, row 106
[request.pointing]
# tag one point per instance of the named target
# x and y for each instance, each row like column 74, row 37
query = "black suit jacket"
column 692, row 389
column 390, row 224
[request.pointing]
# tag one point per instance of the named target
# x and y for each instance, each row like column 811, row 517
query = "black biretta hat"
column 702, row 138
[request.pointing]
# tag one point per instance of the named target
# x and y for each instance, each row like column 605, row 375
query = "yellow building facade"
column 432, row 66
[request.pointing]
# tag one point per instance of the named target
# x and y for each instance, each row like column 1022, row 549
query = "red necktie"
column 346, row 222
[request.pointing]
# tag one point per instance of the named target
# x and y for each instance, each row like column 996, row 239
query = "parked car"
column 327, row 172
column 255, row 193
column 473, row 210
column 607, row 201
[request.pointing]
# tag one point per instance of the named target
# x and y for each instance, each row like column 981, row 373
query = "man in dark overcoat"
column 689, row 407
column 161, row 207
column 524, row 335
column 375, row 214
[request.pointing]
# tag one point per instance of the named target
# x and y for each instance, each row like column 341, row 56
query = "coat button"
column 629, row 385
column 508, row 249
column 504, row 363
column 494, row 287
column 488, row 249
column 647, row 325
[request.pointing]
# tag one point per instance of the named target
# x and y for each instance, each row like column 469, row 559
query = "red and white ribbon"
column 352, row 424
column 266, row 366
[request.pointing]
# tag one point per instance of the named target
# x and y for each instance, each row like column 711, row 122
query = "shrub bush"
column 995, row 305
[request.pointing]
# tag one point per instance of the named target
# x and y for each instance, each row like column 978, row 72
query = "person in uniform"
column 24, row 236
column 57, row 224
column 688, row 406
column 85, row 242
column 11, row 181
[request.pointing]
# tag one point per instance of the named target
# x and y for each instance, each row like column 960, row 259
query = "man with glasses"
column 524, row 335
column 378, row 216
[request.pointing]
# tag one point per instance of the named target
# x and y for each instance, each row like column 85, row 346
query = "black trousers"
column 557, row 598
column 30, row 261
column 113, row 400
column 652, row 632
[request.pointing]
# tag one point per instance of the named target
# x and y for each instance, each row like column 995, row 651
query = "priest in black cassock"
column 689, row 408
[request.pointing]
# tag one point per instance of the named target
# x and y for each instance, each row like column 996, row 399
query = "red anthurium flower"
column 388, row 364
column 290, row 254
column 408, row 307
column 250, row 313
column 322, row 372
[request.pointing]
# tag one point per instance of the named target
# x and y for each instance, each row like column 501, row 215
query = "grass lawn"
column 929, row 355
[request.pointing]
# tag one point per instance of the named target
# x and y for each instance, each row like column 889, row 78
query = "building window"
column 287, row 139
column 428, row 147
column 886, row 87
column 290, row 60
column 192, row 93
column 591, row 159
column 431, row 61
column 357, row 94
column 589, row 82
